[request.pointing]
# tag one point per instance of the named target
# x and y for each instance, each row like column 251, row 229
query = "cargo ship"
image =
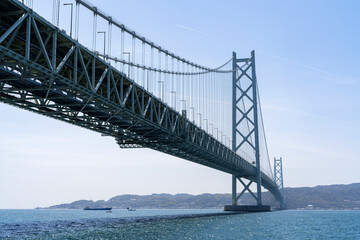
column 105, row 209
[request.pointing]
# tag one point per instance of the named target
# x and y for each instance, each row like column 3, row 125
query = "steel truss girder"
column 66, row 81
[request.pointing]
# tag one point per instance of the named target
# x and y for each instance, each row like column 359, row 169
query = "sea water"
column 178, row 224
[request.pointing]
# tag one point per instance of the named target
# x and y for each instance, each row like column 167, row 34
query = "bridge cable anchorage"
column 132, row 94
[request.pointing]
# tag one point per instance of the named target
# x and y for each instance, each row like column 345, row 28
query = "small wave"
column 32, row 229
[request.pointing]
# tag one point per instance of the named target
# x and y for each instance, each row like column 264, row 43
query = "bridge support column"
column 235, row 198
column 234, row 194
column 245, row 128
column 278, row 175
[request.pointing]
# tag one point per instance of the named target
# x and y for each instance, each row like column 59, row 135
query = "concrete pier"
column 247, row 208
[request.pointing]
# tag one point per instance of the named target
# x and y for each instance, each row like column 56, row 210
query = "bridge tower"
column 245, row 130
column 278, row 177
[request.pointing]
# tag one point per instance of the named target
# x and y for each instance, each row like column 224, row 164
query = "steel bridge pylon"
column 279, row 181
column 245, row 126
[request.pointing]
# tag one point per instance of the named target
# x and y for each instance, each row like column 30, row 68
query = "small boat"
column 105, row 209
column 130, row 209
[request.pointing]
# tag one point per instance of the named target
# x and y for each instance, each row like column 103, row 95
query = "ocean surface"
column 178, row 224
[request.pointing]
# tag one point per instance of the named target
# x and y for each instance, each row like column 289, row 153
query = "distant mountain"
column 319, row 197
column 324, row 197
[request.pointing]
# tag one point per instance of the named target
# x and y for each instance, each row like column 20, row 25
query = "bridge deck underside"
column 45, row 71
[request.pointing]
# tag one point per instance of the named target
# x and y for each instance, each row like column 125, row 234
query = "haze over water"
column 173, row 224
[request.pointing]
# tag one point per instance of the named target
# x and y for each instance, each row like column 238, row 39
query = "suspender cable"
column 183, row 107
column 172, row 85
column 178, row 80
column 122, row 50
column 58, row 13
column 159, row 76
column 192, row 94
column 77, row 21
column 207, row 103
column 219, row 107
column 199, row 95
column 109, row 38
column 217, row 92
column 94, row 32
column 133, row 57
column 208, row 80
column 203, row 99
column 143, row 63
column 188, row 92
column 153, row 86
column 210, row 103
column 214, row 103
column 166, row 76
column 53, row 13
column 223, row 106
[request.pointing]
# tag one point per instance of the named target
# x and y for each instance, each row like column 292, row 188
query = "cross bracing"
column 44, row 70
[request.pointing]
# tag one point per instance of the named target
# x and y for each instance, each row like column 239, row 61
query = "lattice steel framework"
column 45, row 71
column 278, row 173
column 279, row 181
column 245, row 120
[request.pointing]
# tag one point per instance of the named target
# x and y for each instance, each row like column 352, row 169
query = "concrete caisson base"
column 247, row 208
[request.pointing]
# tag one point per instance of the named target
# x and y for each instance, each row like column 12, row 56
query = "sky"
column 307, row 58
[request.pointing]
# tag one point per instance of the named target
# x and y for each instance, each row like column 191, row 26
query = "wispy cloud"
column 189, row 29
column 302, row 113
column 333, row 77
column 290, row 110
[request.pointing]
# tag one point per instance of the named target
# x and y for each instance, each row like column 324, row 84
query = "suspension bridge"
column 141, row 94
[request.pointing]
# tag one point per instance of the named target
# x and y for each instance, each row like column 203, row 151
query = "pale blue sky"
column 307, row 55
